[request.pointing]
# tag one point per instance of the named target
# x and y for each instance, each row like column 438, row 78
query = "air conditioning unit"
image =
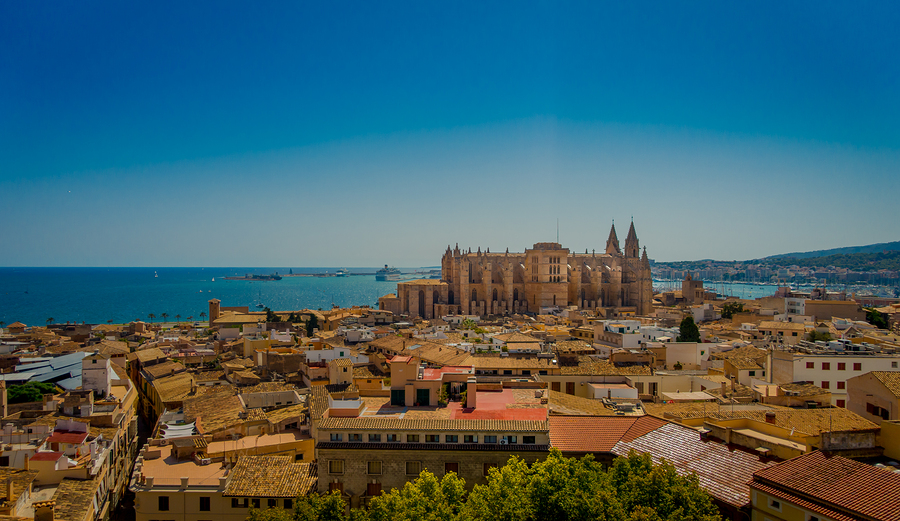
column 503, row 441
column 163, row 442
column 205, row 461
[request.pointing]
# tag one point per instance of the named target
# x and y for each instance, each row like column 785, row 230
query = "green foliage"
column 814, row 336
column 504, row 349
column 558, row 488
column 30, row 392
column 471, row 325
column 424, row 498
column 270, row 316
column 311, row 325
column 876, row 318
column 330, row 507
column 463, row 398
column 730, row 308
column 688, row 330
column 444, row 395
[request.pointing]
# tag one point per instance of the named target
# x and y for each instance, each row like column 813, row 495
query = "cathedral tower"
column 612, row 243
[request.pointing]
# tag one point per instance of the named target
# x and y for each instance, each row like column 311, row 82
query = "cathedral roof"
column 632, row 236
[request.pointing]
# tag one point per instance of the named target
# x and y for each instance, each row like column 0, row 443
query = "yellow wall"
column 890, row 438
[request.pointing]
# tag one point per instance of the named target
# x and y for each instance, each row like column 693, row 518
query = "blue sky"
column 358, row 134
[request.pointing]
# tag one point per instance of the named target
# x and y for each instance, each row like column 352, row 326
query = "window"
column 239, row 503
column 752, row 373
column 373, row 467
column 507, row 371
column 413, row 468
column 451, row 467
column 526, row 372
column 272, row 503
column 842, row 385
column 356, row 437
column 490, row 439
column 512, row 440
column 336, row 466
column 810, row 365
column 336, row 485
column 412, row 438
column 775, row 505
column 255, row 501
column 825, row 384
column 857, row 366
column 842, row 366
column 432, row 438
column 528, row 440
column 470, row 438
column 374, row 438
column 373, row 489
column 391, row 437
column 841, row 403
column 486, row 470
column 893, row 366
column 826, row 366
column 288, row 504
column 336, row 436
column 451, row 438
column 298, row 457
column 204, row 503
column 163, row 503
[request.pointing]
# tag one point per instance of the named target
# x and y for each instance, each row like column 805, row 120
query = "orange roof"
column 598, row 433
column 834, row 481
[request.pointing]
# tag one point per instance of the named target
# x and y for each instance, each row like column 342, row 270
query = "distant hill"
column 871, row 248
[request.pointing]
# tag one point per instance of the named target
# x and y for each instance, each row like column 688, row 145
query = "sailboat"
column 214, row 279
column 156, row 275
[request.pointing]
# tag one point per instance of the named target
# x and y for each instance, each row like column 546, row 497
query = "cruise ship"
column 387, row 273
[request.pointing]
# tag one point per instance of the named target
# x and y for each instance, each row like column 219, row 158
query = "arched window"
column 450, row 297
column 474, row 295
column 421, row 303
column 516, row 294
column 436, row 297
column 495, row 295
column 554, row 300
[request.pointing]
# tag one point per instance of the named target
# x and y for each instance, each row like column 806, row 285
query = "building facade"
column 544, row 276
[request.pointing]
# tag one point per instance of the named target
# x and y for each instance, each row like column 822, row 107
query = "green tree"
column 311, row 324
column 270, row 514
column 151, row 316
column 730, row 308
column 424, row 498
column 876, row 318
column 49, row 320
column 330, row 507
column 30, row 392
column 501, row 498
column 815, row 336
column 202, row 315
column 688, row 330
column 177, row 318
column 164, row 316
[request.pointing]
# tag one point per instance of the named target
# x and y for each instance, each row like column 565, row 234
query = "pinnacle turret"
column 612, row 243
column 632, row 247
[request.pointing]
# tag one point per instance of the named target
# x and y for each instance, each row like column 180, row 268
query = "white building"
column 829, row 370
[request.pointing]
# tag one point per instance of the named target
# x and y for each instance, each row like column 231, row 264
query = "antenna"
column 557, row 230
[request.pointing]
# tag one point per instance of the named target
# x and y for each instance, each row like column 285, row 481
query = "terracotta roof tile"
column 848, row 486
column 270, row 476
column 890, row 379
column 433, row 424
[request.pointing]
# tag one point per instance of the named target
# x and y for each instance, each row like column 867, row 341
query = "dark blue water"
column 96, row 295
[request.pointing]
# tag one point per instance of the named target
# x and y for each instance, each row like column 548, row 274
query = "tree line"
column 633, row 488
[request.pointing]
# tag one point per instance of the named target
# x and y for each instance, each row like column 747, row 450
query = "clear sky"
column 359, row 134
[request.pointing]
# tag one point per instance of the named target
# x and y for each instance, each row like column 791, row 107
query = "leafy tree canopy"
column 688, row 330
column 558, row 488
column 29, row 392
column 730, row 308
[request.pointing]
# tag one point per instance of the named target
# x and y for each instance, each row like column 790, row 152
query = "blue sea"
column 97, row 295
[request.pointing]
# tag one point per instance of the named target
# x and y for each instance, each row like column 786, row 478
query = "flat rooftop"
column 508, row 404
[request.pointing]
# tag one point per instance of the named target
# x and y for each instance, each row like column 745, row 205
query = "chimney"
column 148, row 480
column 43, row 510
column 723, row 390
column 27, row 462
column 770, row 417
column 471, row 391
column 9, row 489
column 222, row 482
column 184, row 483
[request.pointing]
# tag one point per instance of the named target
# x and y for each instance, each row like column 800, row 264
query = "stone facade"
column 546, row 275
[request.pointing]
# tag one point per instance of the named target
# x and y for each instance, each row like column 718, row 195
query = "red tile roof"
column 723, row 472
column 598, row 433
column 46, row 456
column 73, row 438
column 835, row 483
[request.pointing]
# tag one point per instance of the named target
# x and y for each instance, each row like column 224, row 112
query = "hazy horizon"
column 226, row 134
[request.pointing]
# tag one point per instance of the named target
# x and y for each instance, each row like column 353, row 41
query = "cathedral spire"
column 612, row 243
column 632, row 247
column 644, row 260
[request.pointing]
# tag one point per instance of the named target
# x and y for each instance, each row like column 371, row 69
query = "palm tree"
column 164, row 316
column 202, row 315
column 190, row 318
column 177, row 318
column 49, row 320
column 151, row 316
column 2, row 323
column 110, row 321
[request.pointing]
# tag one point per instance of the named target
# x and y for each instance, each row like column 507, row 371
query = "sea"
column 36, row 296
